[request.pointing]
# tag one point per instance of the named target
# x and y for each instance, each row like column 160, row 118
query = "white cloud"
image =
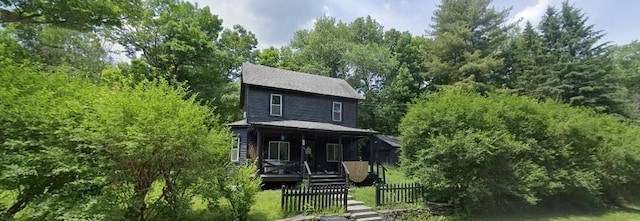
column 326, row 10
column 532, row 14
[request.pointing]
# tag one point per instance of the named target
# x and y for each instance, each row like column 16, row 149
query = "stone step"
column 362, row 215
column 359, row 208
column 349, row 197
column 377, row 218
column 354, row 203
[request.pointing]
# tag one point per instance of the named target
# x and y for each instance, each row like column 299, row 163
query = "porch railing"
column 307, row 172
column 345, row 172
column 381, row 173
column 281, row 167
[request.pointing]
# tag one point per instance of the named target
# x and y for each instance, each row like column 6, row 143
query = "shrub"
column 240, row 187
column 486, row 152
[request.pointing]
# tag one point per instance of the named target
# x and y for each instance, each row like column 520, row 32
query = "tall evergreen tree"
column 578, row 70
column 524, row 61
column 468, row 37
column 626, row 60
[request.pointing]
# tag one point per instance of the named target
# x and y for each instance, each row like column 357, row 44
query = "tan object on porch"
column 358, row 170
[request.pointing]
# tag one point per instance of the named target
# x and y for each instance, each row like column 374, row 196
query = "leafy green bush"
column 486, row 152
column 71, row 149
column 240, row 187
column 41, row 154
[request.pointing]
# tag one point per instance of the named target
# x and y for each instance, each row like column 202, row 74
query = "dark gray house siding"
column 385, row 152
column 297, row 106
column 244, row 142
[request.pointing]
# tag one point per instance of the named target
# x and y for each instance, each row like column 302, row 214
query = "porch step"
column 320, row 176
column 327, row 183
column 326, row 180
column 331, row 180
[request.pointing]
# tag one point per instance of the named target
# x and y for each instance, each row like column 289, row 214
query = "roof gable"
column 253, row 74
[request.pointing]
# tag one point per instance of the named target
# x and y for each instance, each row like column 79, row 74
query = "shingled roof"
column 308, row 125
column 253, row 74
column 391, row 140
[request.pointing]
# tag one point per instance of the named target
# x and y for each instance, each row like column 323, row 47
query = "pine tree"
column 468, row 37
column 578, row 70
column 524, row 61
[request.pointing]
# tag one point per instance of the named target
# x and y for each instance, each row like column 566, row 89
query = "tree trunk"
column 15, row 208
column 138, row 208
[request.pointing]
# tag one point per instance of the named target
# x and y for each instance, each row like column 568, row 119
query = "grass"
column 267, row 206
column 394, row 175
column 367, row 194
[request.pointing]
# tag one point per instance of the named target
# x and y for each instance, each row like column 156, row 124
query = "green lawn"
column 267, row 206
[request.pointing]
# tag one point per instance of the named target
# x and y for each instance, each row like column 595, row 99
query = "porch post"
column 341, row 148
column 370, row 152
column 302, row 155
column 259, row 151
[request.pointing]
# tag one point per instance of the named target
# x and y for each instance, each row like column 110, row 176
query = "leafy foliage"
column 484, row 153
column 79, row 15
column 567, row 62
column 42, row 151
column 184, row 43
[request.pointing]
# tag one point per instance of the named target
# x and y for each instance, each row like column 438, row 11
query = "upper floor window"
column 276, row 105
column 336, row 113
column 235, row 148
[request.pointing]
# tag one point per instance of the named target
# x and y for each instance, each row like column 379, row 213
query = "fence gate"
column 399, row 193
column 298, row 199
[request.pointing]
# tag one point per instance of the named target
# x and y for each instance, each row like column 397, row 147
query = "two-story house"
column 297, row 123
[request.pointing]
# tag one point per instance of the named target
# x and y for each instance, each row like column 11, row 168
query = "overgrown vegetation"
column 484, row 153
column 84, row 138
column 75, row 150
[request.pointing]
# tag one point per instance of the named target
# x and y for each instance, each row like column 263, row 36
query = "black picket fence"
column 299, row 199
column 387, row 194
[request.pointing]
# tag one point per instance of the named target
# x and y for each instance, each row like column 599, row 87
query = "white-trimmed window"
column 235, row 149
column 278, row 150
column 336, row 113
column 275, row 105
column 334, row 152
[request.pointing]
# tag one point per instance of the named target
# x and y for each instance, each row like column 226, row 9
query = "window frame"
column 279, row 149
column 337, row 158
column 271, row 105
column 334, row 112
column 235, row 147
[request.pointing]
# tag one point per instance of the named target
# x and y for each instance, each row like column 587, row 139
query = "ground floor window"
column 279, row 150
column 235, row 148
column 334, row 152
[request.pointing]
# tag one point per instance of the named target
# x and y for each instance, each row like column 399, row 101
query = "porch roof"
column 305, row 125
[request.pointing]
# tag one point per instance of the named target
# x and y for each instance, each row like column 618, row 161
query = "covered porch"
column 290, row 151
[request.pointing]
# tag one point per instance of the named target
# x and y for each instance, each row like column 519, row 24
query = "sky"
column 275, row 21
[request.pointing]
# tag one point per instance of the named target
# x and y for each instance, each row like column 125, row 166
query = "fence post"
column 378, row 194
column 283, row 206
column 344, row 197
